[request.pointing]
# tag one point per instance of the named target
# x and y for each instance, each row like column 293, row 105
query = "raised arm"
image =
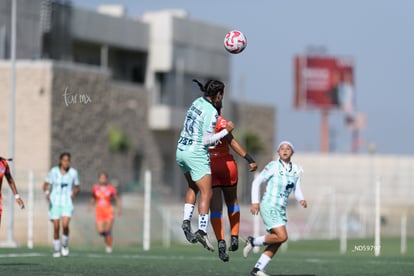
column 209, row 138
column 235, row 145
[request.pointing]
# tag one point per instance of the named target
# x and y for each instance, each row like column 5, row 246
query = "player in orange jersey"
column 225, row 177
column 102, row 195
column 5, row 171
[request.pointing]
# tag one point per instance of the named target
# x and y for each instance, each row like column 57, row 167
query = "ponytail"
column 211, row 88
column 200, row 85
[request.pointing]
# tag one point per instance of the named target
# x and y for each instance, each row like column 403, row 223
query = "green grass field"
column 301, row 258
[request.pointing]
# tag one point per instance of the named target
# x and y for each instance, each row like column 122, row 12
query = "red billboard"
column 324, row 82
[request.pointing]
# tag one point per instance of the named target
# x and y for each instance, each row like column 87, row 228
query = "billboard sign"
column 324, row 82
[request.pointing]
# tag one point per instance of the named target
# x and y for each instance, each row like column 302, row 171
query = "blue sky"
column 377, row 33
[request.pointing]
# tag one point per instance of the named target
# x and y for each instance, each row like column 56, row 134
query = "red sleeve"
column 221, row 124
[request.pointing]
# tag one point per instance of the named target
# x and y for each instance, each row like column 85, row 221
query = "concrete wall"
column 109, row 30
column 33, row 109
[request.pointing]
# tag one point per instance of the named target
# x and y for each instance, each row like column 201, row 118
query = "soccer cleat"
column 56, row 254
column 203, row 239
column 258, row 272
column 108, row 249
column 65, row 251
column 190, row 236
column 222, row 251
column 248, row 247
column 234, row 243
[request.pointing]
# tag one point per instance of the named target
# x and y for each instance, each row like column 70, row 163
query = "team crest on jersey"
column 2, row 170
column 290, row 185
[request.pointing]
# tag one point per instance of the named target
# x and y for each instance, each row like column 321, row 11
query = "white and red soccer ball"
column 235, row 42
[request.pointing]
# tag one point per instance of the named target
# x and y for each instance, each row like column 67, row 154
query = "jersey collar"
column 288, row 167
column 204, row 97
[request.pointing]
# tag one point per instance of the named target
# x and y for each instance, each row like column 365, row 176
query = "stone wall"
column 129, row 113
column 86, row 104
column 80, row 104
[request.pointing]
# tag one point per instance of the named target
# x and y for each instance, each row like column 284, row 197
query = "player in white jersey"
column 282, row 177
column 193, row 158
column 61, row 187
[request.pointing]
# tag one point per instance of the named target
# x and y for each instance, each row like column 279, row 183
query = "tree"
column 118, row 140
column 252, row 142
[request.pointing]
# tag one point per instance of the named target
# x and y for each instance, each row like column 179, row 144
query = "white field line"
column 20, row 255
column 195, row 258
column 130, row 256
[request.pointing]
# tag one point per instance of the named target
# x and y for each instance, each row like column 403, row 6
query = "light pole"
column 10, row 221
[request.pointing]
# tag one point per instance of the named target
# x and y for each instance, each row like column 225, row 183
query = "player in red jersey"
column 225, row 176
column 5, row 171
column 102, row 195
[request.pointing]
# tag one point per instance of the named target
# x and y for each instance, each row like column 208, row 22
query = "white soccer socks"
column 188, row 211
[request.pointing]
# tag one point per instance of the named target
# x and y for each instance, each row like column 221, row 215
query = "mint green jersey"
column 62, row 186
column 200, row 120
column 281, row 179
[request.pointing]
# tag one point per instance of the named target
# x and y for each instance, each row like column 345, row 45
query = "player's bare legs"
column 233, row 212
column 190, row 200
column 100, row 227
column 216, row 218
column 56, row 240
column 273, row 240
column 204, row 186
column 65, row 236
column 104, row 229
column 216, row 208
column 277, row 235
column 108, row 237
column 190, row 196
column 271, row 249
column 56, row 228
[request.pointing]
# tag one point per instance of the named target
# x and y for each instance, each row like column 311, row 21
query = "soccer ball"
column 235, row 42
